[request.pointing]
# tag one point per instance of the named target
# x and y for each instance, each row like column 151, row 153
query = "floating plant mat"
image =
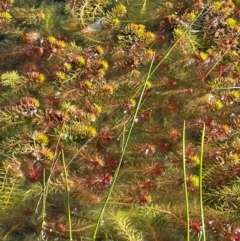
column 119, row 120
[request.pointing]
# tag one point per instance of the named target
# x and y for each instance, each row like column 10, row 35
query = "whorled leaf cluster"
column 73, row 89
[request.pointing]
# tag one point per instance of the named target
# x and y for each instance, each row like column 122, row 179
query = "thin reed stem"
column 68, row 198
column 200, row 184
column 125, row 145
column 185, row 180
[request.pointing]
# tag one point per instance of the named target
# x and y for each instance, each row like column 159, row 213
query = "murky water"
column 76, row 79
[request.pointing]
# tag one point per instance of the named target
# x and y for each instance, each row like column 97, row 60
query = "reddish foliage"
column 154, row 169
column 33, row 171
column 163, row 145
column 195, row 226
column 100, row 180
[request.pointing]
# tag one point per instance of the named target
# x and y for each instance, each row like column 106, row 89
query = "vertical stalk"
column 200, row 184
column 68, row 198
column 125, row 145
column 185, row 180
column 44, row 197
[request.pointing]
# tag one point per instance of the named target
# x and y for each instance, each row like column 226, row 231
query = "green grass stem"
column 143, row 9
column 68, row 198
column 200, row 184
column 125, row 145
column 43, row 196
column 185, row 180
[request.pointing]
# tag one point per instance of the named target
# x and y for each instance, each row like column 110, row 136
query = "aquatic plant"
column 93, row 99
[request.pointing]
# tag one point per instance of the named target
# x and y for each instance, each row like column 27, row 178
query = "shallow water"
column 70, row 98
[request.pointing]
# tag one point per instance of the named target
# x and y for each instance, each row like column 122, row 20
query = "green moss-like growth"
column 71, row 76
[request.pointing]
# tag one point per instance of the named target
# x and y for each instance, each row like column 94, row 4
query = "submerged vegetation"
column 94, row 97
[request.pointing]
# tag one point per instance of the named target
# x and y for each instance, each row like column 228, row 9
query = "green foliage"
column 11, row 79
column 226, row 198
column 10, row 185
column 124, row 227
column 77, row 80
